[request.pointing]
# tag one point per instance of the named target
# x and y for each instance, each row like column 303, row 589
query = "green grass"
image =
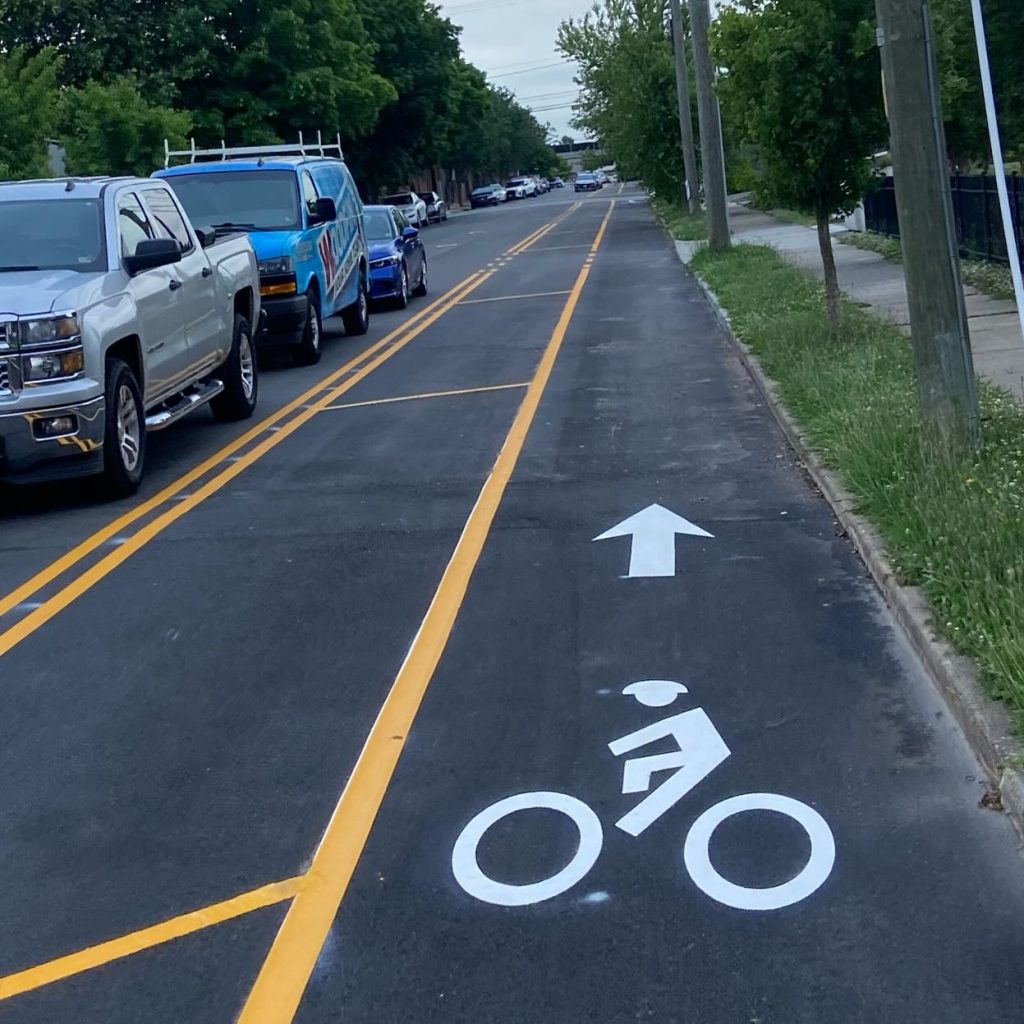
column 678, row 222
column 793, row 217
column 953, row 525
column 993, row 279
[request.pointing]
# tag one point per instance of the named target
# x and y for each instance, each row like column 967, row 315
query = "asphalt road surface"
column 348, row 717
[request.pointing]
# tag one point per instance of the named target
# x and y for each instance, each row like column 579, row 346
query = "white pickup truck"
column 117, row 317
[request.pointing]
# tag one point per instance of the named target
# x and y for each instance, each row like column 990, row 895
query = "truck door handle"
column 207, row 271
column 175, row 284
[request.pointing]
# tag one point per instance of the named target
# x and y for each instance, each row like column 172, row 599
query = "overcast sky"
column 512, row 40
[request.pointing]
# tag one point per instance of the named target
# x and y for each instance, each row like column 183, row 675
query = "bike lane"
column 809, row 691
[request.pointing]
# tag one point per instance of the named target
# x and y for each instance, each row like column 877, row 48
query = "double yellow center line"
column 278, row 426
column 282, row 981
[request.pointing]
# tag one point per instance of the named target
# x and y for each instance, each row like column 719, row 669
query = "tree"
column 803, row 77
column 626, row 71
column 114, row 129
column 29, row 104
column 416, row 51
column 250, row 70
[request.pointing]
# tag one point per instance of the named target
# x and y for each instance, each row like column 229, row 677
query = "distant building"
column 573, row 152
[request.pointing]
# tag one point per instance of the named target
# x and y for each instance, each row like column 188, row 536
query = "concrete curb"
column 985, row 722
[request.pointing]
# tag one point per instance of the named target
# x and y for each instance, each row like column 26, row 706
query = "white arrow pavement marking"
column 654, row 540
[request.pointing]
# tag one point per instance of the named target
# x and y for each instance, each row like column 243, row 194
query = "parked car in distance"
column 556, row 183
column 437, row 208
column 398, row 260
column 542, row 186
column 521, row 188
column 602, row 178
column 413, row 208
column 305, row 218
column 119, row 319
column 586, row 182
column 487, row 195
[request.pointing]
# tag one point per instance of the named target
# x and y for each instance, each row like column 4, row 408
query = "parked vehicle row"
column 127, row 303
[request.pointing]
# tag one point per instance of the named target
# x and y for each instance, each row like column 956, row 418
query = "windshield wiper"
column 13, row 269
column 228, row 225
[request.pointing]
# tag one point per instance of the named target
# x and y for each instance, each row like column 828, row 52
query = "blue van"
column 305, row 218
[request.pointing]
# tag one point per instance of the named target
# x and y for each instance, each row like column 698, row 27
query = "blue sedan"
column 398, row 260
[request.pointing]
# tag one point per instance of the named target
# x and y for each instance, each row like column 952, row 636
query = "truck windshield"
column 248, row 200
column 52, row 234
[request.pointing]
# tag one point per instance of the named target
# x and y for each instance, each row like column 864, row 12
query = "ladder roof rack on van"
column 225, row 152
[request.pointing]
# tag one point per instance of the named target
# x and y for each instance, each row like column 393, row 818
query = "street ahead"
column 382, row 709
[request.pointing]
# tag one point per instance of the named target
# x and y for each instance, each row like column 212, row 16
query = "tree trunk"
column 833, row 300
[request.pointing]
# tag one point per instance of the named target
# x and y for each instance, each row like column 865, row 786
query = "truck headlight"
column 49, row 366
column 47, row 330
column 281, row 265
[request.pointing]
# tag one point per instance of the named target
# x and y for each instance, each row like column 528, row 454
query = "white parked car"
column 437, row 208
column 412, row 207
column 521, row 188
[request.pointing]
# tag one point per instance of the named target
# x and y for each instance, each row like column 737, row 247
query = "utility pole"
column 691, row 197
column 938, row 316
column 711, row 146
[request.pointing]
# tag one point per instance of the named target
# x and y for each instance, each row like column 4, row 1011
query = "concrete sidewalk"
column 878, row 284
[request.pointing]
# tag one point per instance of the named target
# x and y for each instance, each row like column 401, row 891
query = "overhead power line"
column 526, row 71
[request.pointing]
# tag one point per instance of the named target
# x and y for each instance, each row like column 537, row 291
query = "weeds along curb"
column 986, row 723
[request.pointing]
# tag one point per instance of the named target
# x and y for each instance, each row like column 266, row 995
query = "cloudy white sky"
column 514, row 42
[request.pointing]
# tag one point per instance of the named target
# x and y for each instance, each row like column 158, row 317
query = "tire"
column 421, row 289
column 356, row 318
column 401, row 300
column 124, row 438
column 311, row 348
column 241, row 378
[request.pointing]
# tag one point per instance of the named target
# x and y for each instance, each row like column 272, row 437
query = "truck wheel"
column 241, row 379
column 356, row 318
column 310, row 349
column 124, row 438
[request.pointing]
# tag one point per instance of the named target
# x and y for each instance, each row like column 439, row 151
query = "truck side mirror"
column 151, row 253
column 206, row 236
column 325, row 212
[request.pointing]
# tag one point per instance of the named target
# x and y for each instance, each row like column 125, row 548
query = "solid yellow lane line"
column 25, row 591
column 283, row 978
column 39, row 616
column 524, row 245
column 427, row 394
column 147, row 938
column 512, row 298
column 561, row 248
column 45, row 576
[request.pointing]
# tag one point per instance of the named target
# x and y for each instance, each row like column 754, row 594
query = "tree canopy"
column 803, row 79
column 113, row 77
column 626, row 71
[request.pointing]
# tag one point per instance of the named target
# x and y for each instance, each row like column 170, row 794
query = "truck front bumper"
column 284, row 320
column 27, row 456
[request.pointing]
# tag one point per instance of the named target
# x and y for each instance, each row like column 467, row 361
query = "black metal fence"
column 979, row 225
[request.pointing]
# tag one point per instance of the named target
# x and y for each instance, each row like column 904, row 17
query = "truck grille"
column 5, row 378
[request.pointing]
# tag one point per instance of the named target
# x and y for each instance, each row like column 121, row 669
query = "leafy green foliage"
column 954, row 525
column 627, row 74
column 114, row 129
column 28, row 111
column 804, row 80
column 384, row 74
